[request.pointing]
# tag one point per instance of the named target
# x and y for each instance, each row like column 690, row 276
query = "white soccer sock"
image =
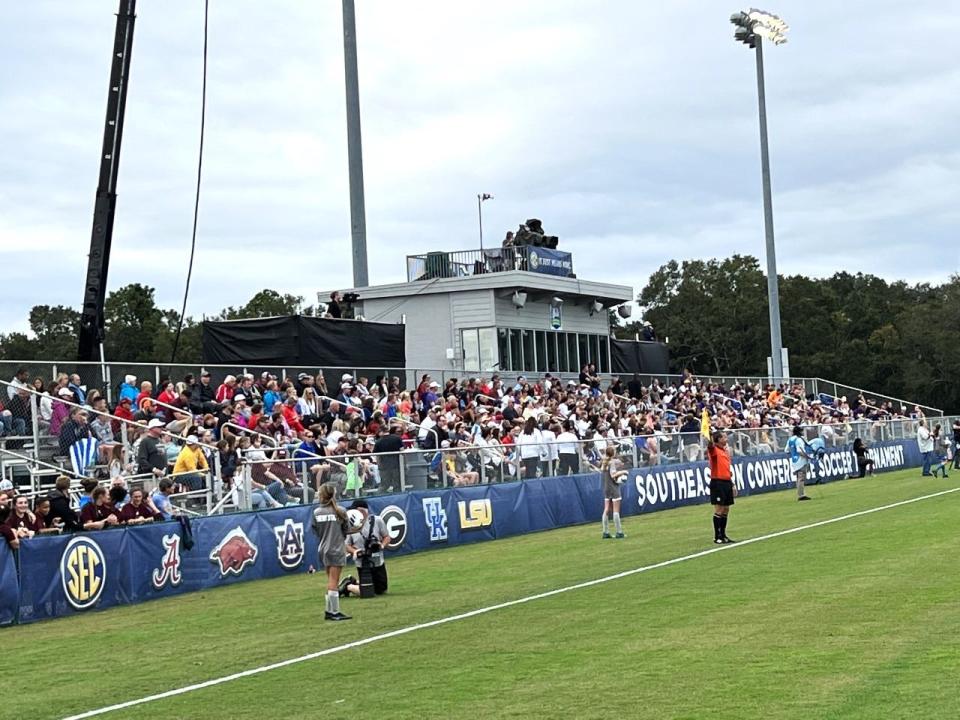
column 616, row 522
column 606, row 524
column 333, row 601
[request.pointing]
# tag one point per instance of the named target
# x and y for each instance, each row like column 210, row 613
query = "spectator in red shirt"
column 123, row 412
column 290, row 415
column 98, row 514
column 227, row 390
column 146, row 392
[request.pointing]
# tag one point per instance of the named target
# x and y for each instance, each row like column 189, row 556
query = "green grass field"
column 855, row 619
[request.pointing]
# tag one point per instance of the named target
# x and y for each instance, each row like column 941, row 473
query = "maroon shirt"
column 129, row 512
column 14, row 522
column 95, row 513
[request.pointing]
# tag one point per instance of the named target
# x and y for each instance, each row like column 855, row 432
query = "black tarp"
column 633, row 356
column 300, row 341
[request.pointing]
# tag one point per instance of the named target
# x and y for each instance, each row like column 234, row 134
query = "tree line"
column 135, row 329
column 891, row 338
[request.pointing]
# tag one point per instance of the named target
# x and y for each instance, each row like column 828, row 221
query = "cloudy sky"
column 630, row 128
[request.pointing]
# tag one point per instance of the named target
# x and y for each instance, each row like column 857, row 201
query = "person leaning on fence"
column 99, row 513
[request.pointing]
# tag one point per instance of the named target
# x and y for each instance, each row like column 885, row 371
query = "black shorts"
column 721, row 492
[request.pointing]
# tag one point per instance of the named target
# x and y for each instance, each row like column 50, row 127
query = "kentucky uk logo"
column 169, row 570
column 234, row 552
column 475, row 515
column 289, row 543
column 436, row 518
column 83, row 570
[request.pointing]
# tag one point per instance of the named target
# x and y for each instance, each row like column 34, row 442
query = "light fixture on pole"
column 481, row 198
column 752, row 27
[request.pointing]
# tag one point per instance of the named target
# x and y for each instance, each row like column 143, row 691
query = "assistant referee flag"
column 705, row 424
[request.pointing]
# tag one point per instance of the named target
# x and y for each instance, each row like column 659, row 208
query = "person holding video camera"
column 367, row 546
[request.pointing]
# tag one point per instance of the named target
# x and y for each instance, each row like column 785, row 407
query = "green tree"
column 266, row 303
column 135, row 327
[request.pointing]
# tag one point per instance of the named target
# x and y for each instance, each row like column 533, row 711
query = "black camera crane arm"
column 95, row 289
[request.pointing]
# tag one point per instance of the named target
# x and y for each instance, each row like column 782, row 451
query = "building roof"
column 606, row 293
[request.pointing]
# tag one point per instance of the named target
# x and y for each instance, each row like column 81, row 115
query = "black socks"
column 718, row 523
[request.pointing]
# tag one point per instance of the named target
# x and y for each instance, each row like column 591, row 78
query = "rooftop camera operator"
column 367, row 546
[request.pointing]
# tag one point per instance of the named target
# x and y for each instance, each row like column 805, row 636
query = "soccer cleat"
column 606, row 536
column 803, row 497
column 727, row 541
column 620, row 536
column 337, row 616
column 718, row 541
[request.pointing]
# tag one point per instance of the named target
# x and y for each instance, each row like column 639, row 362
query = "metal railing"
column 464, row 263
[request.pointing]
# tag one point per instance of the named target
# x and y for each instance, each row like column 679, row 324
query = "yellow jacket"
column 190, row 459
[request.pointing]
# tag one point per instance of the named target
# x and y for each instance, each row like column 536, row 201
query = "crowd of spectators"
column 295, row 433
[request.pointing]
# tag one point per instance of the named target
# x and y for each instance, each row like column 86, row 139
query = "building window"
column 488, row 349
column 471, row 350
column 604, row 354
column 573, row 360
column 516, row 350
column 552, row 365
column 503, row 347
column 541, row 341
column 528, row 350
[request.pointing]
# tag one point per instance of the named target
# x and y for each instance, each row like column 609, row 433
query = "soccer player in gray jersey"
column 612, row 477
column 331, row 525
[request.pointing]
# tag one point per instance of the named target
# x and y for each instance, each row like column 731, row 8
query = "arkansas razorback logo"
column 234, row 552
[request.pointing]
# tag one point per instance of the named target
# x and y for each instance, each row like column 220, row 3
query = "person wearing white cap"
column 191, row 463
column 129, row 388
column 150, row 458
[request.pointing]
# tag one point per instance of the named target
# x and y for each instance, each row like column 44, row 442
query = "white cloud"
column 629, row 129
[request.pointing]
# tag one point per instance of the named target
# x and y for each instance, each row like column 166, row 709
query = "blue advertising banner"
column 550, row 262
column 61, row 575
column 9, row 585
column 66, row 574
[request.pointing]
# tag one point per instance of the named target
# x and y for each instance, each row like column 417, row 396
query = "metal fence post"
column 443, row 468
column 35, row 423
column 403, row 471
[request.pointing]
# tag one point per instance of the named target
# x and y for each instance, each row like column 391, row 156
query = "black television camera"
column 531, row 233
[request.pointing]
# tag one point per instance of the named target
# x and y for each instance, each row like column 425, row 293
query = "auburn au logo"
column 476, row 514
column 169, row 570
column 83, row 570
column 289, row 543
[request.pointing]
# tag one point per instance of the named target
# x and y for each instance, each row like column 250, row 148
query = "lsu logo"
column 169, row 570
column 436, row 519
column 476, row 514
column 83, row 570
column 234, row 552
column 289, row 543
column 396, row 521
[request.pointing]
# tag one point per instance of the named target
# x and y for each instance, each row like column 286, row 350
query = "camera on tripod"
column 531, row 233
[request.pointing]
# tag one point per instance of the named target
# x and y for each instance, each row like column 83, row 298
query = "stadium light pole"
column 481, row 198
column 358, row 219
column 752, row 27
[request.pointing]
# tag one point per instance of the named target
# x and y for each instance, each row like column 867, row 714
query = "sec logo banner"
column 83, row 569
column 396, row 521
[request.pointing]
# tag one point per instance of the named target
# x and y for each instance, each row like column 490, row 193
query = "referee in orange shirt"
column 722, row 488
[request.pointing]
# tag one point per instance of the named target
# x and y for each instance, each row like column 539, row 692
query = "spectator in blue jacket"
column 129, row 390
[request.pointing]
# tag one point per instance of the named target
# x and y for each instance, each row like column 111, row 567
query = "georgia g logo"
column 83, row 570
column 396, row 521
column 169, row 570
column 289, row 543
column 234, row 552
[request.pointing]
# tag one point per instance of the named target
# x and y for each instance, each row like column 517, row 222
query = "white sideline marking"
column 491, row 608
